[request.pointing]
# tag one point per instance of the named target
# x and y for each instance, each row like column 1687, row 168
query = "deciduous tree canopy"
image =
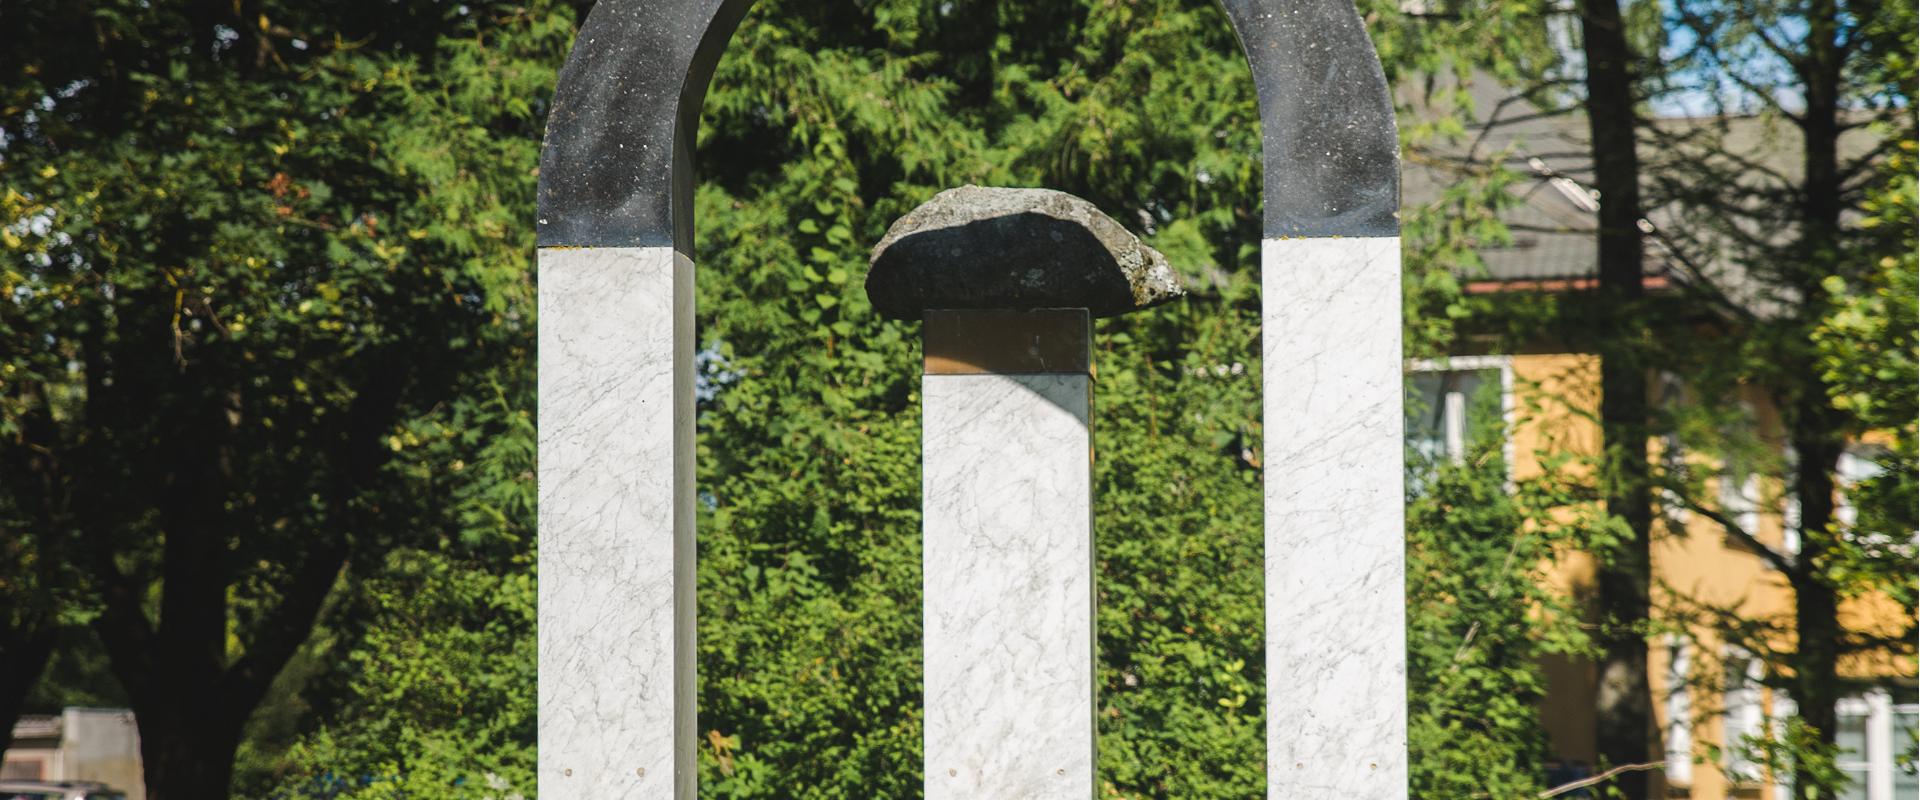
column 267, row 411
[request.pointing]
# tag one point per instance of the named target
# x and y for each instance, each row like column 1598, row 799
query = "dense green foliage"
column 1480, row 618
column 810, row 561
column 1793, row 237
column 267, row 292
column 240, row 216
column 810, row 555
column 1866, row 341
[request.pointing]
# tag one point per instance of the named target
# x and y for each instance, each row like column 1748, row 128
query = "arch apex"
column 616, row 169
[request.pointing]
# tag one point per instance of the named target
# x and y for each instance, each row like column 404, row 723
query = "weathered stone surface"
column 979, row 247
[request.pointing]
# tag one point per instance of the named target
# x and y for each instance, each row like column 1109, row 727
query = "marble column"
column 616, row 524
column 1335, row 519
column 1009, row 593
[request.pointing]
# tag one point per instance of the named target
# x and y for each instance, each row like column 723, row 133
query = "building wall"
column 102, row 744
column 1552, row 394
column 1555, row 399
column 31, row 759
column 82, row 744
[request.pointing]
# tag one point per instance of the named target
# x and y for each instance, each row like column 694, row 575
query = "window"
column 1878, row 746
column 1672, row 393
column 1740, row 498
column 1743, row 720
column 1790, row 516
column 1905, row 755
column 1852, row 741
column 23, row 769
column 1453, row 403
column 1784, row 709
column 1857, row 464
column 1745, row 464
column 1679, row 714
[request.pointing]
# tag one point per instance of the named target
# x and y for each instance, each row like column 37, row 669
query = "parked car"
column 60, row 790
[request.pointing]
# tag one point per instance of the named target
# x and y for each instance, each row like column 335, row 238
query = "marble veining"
column 1009, row 581
column 616, row 524
column 1008, row 587
column 1335, row 519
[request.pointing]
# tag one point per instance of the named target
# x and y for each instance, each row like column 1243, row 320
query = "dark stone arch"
column 617, row 704
column 617, row 167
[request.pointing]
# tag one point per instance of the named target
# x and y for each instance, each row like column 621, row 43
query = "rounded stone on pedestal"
column 977, row 247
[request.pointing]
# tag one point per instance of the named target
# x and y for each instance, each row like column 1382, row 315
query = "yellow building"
column 1707, row 695
column 1548, row 400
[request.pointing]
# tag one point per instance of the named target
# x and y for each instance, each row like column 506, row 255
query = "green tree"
column 338, row 227
column 809, row 546
column 37, row 585
column 281, row 242
column 1789, row 262
column 1623, row 702
column 1481, row 617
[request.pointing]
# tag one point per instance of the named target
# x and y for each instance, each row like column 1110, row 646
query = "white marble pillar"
column 1009, row 574
column 616, row 524
column 1335, row 519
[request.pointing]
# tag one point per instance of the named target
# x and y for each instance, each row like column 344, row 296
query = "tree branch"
column 356, row 458
column 1696, row 281
column 1779, row 560
column 1746, row 166
column 1855, row 166
column 1706, row 34
column 285, row 629
column 1601, row 778
column 123, row 625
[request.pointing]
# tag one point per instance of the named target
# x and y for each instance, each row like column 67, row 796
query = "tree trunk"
column 188, row 747
column 1623, row 707
column 175, row 666
column 1816, row 684
column 29, row 632
column 23, row 656
column 1815, row 660
column 1815, row 427
column 191, row 695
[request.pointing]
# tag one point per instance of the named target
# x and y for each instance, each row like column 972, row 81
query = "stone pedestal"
column 1336, row 510
column 1009, row 555
column 616, row 524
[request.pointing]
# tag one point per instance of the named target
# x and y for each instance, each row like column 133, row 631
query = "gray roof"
column 1553, row 224
column 37, row 726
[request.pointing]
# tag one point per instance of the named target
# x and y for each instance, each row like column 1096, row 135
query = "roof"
column 1553, row 224
column 36, row 726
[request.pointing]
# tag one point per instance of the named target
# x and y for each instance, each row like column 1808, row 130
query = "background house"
column 79, row 744
column 1708, row 695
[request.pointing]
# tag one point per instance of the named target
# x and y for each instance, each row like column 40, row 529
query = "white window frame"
column 1679, row 701
column 28, row 765
column 1672, row 393
column 1894, row 749
column 1740, row 499
column 1790, row 510
column 1741, row 706
column 1782, row 709
column 1857, row 463
column 1879, row 761
column 1456, row 443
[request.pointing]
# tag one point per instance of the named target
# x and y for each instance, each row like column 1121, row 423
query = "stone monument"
column 616, row 399
column 1003, row 281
